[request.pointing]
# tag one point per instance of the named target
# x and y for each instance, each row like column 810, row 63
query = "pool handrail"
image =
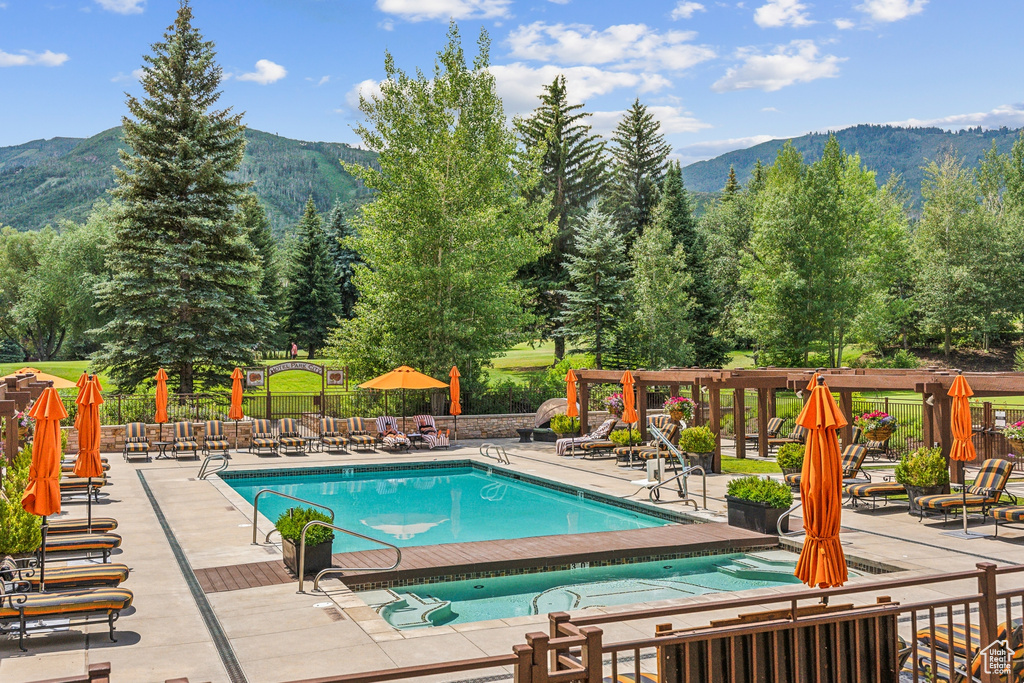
column 256, row 511
column 329, row 570
column 499, row 453
column 204, row 472
column 683, row 476
column 785, row 515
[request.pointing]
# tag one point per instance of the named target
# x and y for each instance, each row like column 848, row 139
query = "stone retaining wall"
column 112, row 436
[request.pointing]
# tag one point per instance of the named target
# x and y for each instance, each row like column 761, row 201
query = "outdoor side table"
column 525, row 435
column 162, row 445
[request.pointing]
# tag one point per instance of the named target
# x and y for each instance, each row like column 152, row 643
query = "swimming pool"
column 456, row 602
column 416, row 504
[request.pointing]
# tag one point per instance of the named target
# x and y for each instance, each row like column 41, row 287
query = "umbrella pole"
column 88, row 504
column 42, row 559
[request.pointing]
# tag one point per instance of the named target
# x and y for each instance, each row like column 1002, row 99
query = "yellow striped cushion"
column 262, row 428
column 1010, row 513
column 135, row 431
column 264, row 443
column 334, row 441
column 292, row 441
column 872, row 489
column 952, row 500
column 355, row 425
column 73, row 542
column 992, row 476
column 79, row 484
column 183, row 431
column 57, row 604
column 79, row 526
column 596, row 445
column 330, row 426
column 79, row 576
column 217, row 445
column 287, row 427
column 362, row 439
column 137, row 447
column 214, row 430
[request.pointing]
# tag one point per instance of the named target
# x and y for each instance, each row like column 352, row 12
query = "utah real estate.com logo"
column 995, row 658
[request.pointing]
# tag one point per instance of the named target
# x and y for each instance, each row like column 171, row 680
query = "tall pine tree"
column 255, row 224
column 640, row 159
column 343, row 259
column 573, row 173
column 312, row 304
column 182, row 294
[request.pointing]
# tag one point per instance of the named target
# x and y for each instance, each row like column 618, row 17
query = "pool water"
column 458, row 602
column 416, row 507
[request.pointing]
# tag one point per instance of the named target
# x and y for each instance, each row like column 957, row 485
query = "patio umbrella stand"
column 963, row 447
column 629, row 415
column 235, row 410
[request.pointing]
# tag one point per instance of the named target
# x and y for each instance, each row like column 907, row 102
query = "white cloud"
column 891, row 10
column 123, row 6
column 386, row 25
column 628, row 46
column 519, row 85
column 769, row 109
column 122, row 77
column 560, row 2
column 797, row 62
column 699, row 151
column 368, row 89
column 266, row 72
column 843, row 24
column 324, row 80
column 672, row 119
column 1010, row 115
column 686, row 9
column 777, row 13
column 423, row 10
column 27, row 58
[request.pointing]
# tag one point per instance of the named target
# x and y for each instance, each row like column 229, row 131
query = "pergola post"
column 762, row 422
column 739, row 421
column 715, row 399
column 641, row 402
column 698, row 411
column 944, row 405
column 7, row 411
column 927, row 420
column 584, row 398
column 846, row 406
column 772, row 404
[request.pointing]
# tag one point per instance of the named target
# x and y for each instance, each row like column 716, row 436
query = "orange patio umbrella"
column 962, row 428
column 89, row 464
column 161, row 400
column 629, row 415
column 82, row 381
column 403, row 378
column 822, row 562
column 42, row 495
column 235, row 411
column 571, row 409
column 455, row 409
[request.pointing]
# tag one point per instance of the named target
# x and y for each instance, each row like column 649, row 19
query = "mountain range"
column 45, row 181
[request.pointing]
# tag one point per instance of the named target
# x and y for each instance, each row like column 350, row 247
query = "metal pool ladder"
column 681, row 479
column 784, row 515
column 335, row 570
column 204, row 471
column 499, row 453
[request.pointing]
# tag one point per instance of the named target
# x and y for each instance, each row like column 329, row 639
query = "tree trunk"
column 906, row 342
column 186, row 379
column 559, row 348
column 946, row 342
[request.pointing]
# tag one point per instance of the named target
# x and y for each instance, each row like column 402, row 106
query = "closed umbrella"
column 403, row 378
column 161, row 400
column 822, row 562
column 88, row 464
column 963, row 448
column 629, row 415
column 81, row 387
column 455, row 409
column 235, row 411
column 42, row 495
column 571, row 409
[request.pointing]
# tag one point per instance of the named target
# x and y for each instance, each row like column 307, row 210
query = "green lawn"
column 744, row 466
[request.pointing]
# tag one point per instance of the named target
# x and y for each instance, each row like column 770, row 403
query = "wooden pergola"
column 15, row 394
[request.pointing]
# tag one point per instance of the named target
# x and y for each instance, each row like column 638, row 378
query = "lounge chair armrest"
column 956, row 487
column 17, row 595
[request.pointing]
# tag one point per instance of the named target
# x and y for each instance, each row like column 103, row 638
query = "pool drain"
column 479, row 585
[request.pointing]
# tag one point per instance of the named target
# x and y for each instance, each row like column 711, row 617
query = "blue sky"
column 719, row 75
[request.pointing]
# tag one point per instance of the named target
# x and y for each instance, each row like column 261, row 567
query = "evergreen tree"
column 312, row 304
column 732, row 186
column 343, row 259
column 573, row 173
column 596, row 273
column 256, row 226
column 182, row 294
column 640, row 159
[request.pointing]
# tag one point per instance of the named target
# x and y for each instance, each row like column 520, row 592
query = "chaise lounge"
column 432, row 436
column 852, row 461
column 986, row 491
column 25, row 613
column 655, row 448
column 358, row 435
column 388, row 435
column 332, row 438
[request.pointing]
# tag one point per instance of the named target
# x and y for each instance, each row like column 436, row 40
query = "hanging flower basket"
column 880, row 434
column 876, row 425
column 1015, row 435
column 614, row 404
column 679, row 408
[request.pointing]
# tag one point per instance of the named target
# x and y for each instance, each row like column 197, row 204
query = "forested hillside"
column 44, row 181
column 883, row 149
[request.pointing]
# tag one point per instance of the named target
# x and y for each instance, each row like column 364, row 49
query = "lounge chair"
column 67, row 546
column 388, row 435
column 25, row 613
column 68, row 467
column 76, row 486
column 80, row 525
column 432, row 436
column 136, row 443
column 263, row 439
column 214, row 440
column 655, row 448
column 599, row 433
column 64, row 578
column 774, row 425
column 332, row 439
column 852, row 461
column 986, row 491
column 184, row 440
column 874, row 491
column 950, row 664
column 798, row 435
column 358, row 435
column 1007, row 514
column 289, row 439
column 878, row 449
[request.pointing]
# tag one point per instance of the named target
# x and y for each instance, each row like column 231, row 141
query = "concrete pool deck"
column 271, row 633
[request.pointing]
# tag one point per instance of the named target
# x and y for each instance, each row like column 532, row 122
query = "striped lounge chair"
column 184, row 440
column 388, row 434
column 1007, row 514
column 67, row 546
column 214, row 440
column 358, row 435
column 65, row 578
column 774, row 425
column 879, row 449
column 432, row 436
column 136, row 443
column 76, row 486
column 79, row 525
column 263, row 439
column 25, row 613
column 332, row 438
column 950, row 660
column 851, row 462
column 599, row 433
column 988, row 487
column 289, row 439
column 68, row 467
column 798, row 435
column 873, row 491
column 653, row 448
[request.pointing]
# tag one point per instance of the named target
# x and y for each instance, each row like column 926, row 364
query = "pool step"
column 409, row 610
column 769, row 565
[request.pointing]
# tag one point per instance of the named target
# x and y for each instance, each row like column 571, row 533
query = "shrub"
column 1018, row 359
column 19, row 530
column 292, row 520
column 563, row 424
column 773, row 493
column 905, row 359
column 923, row 467
column 625, row 437
column 791, row 456
column 697, row 440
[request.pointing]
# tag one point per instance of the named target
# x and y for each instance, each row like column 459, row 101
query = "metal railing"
column 204, row 472
column 256, row 510
column 334, row 570
column 682, row 478
column 499, row 453
column 786, row 515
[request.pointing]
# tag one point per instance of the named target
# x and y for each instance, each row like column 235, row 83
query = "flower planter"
column 791, row 470
column 704, row 460
column 676, row 415
column 880, row 434
column 755, row 516
column 1017, row 445
column 318, row 557
column 915, row 492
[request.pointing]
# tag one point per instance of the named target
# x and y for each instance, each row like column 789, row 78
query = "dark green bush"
column 923, row 467
column 290, row 525
column 563, row 424
column 19, row 530
column 697, row 440
column 791, row 456
column 625, row 437
column 773, row 493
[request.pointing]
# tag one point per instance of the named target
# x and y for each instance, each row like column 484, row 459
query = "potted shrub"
column 563, row 425
column 756, row 504
column 923, row 472
column 679, row 409
column 625, row 437
column 699, row 444
column 790, row 458
column 318, row 539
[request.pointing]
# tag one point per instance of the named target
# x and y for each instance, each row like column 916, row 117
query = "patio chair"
column 73, row 546
column 774, row 425
column 599, row 433
column 64, row 578
column 136, row 443
column 358, row 435
column 214, row 440
column 80, row 525
column 654, row 448
column 263, row 439
column 852, row 461
column 878, row 449
column 289, row 439
column 432, row 436
column 68, row 467
column 986, row 491
column 389, row 436
column 798, row 435
column 76, row 486
column 184, row 440
column 25, row 613
column 1007, row 514
column 874, row 491
column 950, row 663
column 332, row 439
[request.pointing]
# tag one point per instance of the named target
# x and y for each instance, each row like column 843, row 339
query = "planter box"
column 749, row 514
column 705, row 460
column 544, row 434
column 318, row 557
column 913, row 492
